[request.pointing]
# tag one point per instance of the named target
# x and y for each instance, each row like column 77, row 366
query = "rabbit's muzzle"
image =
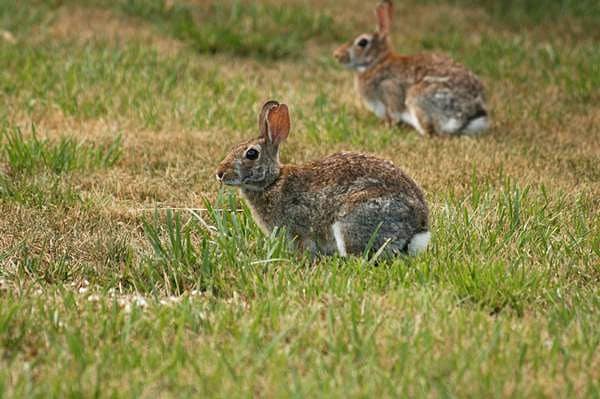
column 342, row 54
column 226, row 174
column 234, row 174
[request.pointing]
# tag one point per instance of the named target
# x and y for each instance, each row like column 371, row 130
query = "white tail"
column 419, row 243
column 477, row 125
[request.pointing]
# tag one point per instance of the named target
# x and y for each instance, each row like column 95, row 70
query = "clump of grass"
column 198, row 251
column 33, row 269
column 514, row 245
column 36, row 167
column 247, row 29
column 37, row 192
column 26, row 155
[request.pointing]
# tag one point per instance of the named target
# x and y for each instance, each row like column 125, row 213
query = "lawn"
column 127, row 271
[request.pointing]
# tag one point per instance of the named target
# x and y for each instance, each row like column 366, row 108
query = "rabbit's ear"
column 262, row 118
column 278, row 124
column 384, row 13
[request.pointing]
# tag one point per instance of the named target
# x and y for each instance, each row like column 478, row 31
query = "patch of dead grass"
column 84, row 24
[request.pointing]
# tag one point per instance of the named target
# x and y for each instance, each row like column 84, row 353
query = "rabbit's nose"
column 341, row 54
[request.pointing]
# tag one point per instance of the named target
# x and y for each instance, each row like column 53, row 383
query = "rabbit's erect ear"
column 262, row 118
column 384, row 13
column 278, row 123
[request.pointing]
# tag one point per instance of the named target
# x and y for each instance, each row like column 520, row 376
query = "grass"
column 125, row 271
column 529, row 11
column 29, row 155
column 269, row 31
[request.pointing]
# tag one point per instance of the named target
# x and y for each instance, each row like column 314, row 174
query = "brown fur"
column 362, row 193
column 442, row 95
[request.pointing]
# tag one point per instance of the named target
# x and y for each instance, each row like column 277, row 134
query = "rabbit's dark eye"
column 363, row 42
column 252, row 154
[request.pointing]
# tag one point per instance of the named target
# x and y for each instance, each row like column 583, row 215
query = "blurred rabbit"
column 430, row 92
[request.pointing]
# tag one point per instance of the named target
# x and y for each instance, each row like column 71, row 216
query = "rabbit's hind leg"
column 420, row 120
column 438, row 108
column 378, row 221
column 418, row 113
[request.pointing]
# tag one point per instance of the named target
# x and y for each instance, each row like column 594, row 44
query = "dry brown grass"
column 85, row 24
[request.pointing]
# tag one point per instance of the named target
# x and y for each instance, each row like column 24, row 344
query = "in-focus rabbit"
column 332, row 205
column 430, row 92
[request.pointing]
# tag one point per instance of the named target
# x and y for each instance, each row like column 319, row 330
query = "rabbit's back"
column 408, row 71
